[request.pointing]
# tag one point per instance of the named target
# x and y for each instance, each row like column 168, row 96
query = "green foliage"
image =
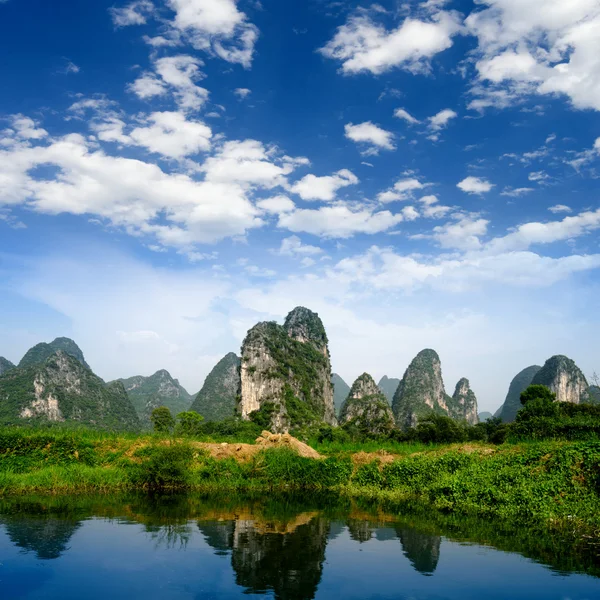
column 189, row 424
column 217, row 398
column 262, row 417
column 162, row 420
column 42, row 352
column 440, row 429
column 163, row 467
column 512, row 402
column 537, row 392
column 230, row 430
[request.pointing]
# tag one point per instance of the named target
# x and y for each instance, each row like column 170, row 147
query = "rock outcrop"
column 340, row 392
column 512, row 403
column 286, row 374
column 217, row 398
column 160, row 389
column 464, row 403
column 565, row 379
column 388, row 386
column 366, row 408
column 5, row 365
column 62, row 389
column 41, row 352
column 421, row 391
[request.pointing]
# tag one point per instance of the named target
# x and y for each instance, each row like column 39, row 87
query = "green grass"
column 549, row 482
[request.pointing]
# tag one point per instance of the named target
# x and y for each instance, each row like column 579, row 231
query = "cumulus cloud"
column 400, row 113
column 560, row 208
column 293, row 245
column 135, row 13
column 441, row 119
column 276, row 205
column 363, row 45
column 371, row 134
column 403, row 189
column 475, row 185
column 536, row 47
column 339, row 221
column 516, row 192
column 311, row 187
column 175, row 74
column 242, row 93
column 463, row 234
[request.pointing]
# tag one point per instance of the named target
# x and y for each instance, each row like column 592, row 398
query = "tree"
column 537, row 392
column 162, row 420
column 190, row 423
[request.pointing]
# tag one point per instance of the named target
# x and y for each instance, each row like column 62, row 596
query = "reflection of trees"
column 422, row 550
column 289, row 563
column 47, row 537
column 359, row 530
column 170, row 535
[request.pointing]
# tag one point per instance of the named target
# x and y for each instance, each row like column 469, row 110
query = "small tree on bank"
column 189, row 423
column 162, row 420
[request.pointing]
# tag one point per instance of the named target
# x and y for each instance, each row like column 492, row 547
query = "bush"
column 440, row 429
column 163, row 467
column 162, row 420
column 189, row 423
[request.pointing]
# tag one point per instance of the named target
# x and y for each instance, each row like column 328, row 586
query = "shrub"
column 162, row 420
column 163, row 467
column 189, row 423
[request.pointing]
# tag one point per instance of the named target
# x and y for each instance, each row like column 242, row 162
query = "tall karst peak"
column 304, row 325
column 366, row 408
column 159, row 389
column 217, row 398
column 512, row 403
column 286, row 373
column 464, row 403
column 421, row 390
column 41, row 352
column 340, row 391
column 5, row 365
column 62, row 389
column 565, row 379
column 388, row 386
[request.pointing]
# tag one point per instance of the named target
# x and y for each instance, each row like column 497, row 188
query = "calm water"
column 205, row 548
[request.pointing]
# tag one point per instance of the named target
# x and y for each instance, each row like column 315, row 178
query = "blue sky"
column 422, row 174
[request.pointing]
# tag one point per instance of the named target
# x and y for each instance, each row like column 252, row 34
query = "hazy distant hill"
column 388, row 386
column 340, row 391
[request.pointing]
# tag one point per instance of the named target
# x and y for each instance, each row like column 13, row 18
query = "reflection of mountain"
column 421, row 549
column 47, row 537
column 289, row 562
column 359, row 530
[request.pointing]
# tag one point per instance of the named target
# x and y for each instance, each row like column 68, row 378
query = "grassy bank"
column 550, row 482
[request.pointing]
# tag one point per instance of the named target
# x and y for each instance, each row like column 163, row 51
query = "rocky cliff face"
column 421, row 390
column 41, row 352
column 217, row 398
column 512, row 403
column 286, row 373
column 62, row 389
column 565, row 379
column 464, row 403
column 160, row 389
column 389, row 385
column 5, row 365
column 366, row 408
column 340, row 391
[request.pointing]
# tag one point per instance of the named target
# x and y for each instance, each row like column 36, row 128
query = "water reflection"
column 279, row 546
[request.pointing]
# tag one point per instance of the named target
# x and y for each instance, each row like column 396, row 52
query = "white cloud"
column 311, row 187
column 369, row 133
column 27, row 129
column 363, row 45
column 433, row 210
column 410, row 213
column 400, row 113
column 276, row 205
column 463, row 234
column 403, row 190
column 242, row 93
column 135, row 13
column 218, row 26
column 172, row 135
column 338, row 221
column 538, row 176
column 127, row 193
column 441, row 119
column 475, row 185
column 516, row 192
column 537, row 47
column 293, row 245
column 559, row 208
column 256, row 271
column 249, row 164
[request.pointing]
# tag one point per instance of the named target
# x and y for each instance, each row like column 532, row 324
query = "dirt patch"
column 244, row 452
column 285, row 440
column 364, row 458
